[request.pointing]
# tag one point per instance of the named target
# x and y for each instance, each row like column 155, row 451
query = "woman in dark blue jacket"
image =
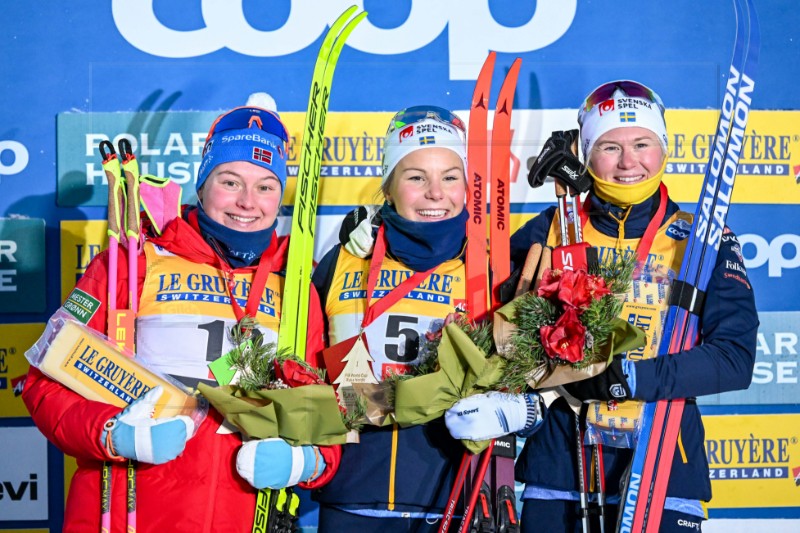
column 624, row 141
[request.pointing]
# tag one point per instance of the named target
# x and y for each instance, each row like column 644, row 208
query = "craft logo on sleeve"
column 22, row 268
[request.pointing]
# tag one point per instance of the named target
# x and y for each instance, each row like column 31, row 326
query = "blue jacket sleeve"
column 724, row 358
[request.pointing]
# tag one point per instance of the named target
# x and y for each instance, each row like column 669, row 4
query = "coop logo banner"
column 225, row 26
column 170, row 145
column 22, row 268
column 769, row 160
column 752, row 460
column 13, row 157
column 23, row 474
column 776, row 375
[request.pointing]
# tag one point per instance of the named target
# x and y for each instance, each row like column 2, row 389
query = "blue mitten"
column 276, row 464
column 494, row 414
column 135, row 434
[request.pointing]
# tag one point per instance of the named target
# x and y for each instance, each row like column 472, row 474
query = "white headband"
column 621, row 111
column 427, row 133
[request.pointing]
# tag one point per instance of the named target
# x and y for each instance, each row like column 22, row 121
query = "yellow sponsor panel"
column 351, row 156
column 754, row 460
column 769, row 162
column 81, row 240
column 16, row 339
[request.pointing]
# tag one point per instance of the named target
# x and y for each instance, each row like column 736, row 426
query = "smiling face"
column 627, row 155
column 241, row 196
column 428, row 185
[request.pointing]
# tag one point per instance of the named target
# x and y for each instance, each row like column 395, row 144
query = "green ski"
column 275, row 510
column 294, row 314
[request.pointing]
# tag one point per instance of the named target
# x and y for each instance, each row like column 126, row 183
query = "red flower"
column 573, row 288
column 565, row 339
column 294, row 374
column 550, row 283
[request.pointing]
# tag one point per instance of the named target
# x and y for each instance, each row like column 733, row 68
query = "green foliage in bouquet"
column 255, row 361
column 572, row 320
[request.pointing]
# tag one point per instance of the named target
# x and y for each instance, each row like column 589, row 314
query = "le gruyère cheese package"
column 88, row 363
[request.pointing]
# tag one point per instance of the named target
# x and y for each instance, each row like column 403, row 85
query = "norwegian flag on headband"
column 263, row 155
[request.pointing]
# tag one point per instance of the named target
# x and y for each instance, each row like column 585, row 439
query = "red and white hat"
column 620, row 104
column 421, row 127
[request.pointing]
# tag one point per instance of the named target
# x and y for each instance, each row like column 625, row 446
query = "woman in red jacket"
column 195, row 282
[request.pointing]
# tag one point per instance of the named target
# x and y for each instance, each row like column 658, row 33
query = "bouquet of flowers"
column 568, row 328
column 564, row 332
column 276, row 394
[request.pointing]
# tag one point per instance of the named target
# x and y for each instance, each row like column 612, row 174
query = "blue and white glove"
column 135, row 434
column 494, row 414
column 276, row 464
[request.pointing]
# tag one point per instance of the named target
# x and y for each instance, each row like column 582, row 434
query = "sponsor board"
column 170, row 144
column 776, row 375
column 81, row 241
column 22, row 265
column 769, row 242
column 15, row 339
column 23, row 474
column 754, row 460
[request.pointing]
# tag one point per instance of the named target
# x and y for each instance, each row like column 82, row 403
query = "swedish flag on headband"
column 428, row 139
column 627, row 116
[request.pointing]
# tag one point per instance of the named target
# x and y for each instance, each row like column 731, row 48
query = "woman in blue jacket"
column 623, row 137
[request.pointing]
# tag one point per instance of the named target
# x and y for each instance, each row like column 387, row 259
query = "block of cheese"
column 82, row 360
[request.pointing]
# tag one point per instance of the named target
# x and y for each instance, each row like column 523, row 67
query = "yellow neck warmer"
column 627, row 195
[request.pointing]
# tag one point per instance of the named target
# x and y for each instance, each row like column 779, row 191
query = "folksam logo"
column 735, row 110
column 227, row 27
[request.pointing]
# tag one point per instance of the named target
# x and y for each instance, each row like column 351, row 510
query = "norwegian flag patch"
column 263, row 155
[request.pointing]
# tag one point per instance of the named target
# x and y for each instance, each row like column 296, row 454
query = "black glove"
column 612, row 384
column 558, row 160
column 357, row 233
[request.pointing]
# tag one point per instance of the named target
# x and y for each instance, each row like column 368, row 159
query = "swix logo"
column 780, row 253
column 17, row 162
column 571, row 173
column 725, row 159
column 226, row 26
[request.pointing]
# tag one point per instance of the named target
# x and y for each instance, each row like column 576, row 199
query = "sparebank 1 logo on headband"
column 226, row 27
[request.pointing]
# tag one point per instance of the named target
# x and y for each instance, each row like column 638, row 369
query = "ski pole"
column 114, row 178
column 132, row 231
column 584, row 494
column 600, row 483
column 452, row 501
column 480, row 473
